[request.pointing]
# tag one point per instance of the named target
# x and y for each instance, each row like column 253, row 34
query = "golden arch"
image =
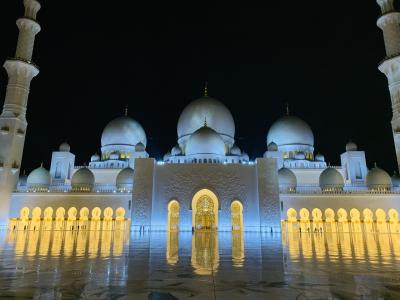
column 84, row 214
column 292, row 215
column 96, row 213
column 72, row 212
column 317, row 215
column 120, row 214
column 173, row 215
column 355, row 215
column 48, row 214
column 342, row 215
column 205, row 210
column 329, row 215
column 60, row 213
column 36, row 213
column 237, row 215
column 304, row 214
column 24, row 213
column 380, row 215
column 393, row 215
column 108, row 213
column 368, row 215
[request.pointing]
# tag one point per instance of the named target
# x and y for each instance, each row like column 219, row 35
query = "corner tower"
column 21, row 70
column 389, row 22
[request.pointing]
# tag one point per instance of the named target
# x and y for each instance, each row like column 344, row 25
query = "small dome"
column 64, row 147
column 245, row 156
column 123, row 131
column 176, row 151
column 290, row 130
column 167, row 156
column 331, row 180
column 140, row 147
column 378, row 179
column 272, row 147
column 95, row 157
column 287, row 179
column 218, row 117
column 205, row 141
column 396, row 180
column 114, row 156
column 300, row 155
column 82, row 180
column 124, row 179
column 39, row 179
column 319, row 157
column 350, row 146
column 235, row 150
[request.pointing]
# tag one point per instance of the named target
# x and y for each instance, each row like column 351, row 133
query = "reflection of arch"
column 120, row 214
column 36, row 213
column 60, row 213
column 304, row 214
column 48, row 214
column 24, row 213
column 355, row 215
column 205, row 253
column 342, row 215
column 329, row 215
column 205, row 210
column 237, row 215
column 292, row 215
column 96, row 212
column 368, row 215
column 84, row 213
column 108, row 213
column 173, row 215
column 380, row 215
column 72, row 212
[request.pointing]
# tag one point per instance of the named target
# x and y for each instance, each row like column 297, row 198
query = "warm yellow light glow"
column 205, row 210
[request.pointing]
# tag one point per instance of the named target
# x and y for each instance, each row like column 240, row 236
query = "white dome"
column 245, row 156
column 287, row 179
column 350, row 146
column 125, row 179
column 331, row 180
column 167, row 156
column 114, row 156
column 205, row 141
column 123, row 131
column 378, row 179
column 396, row 180
column 216, row 114
column 235, row 150
column 83, row 179
column 140, row 147
column 290, row 130
column 64, row 147
column 176, row 151
column 95, row 157
column 39, row 179
column 272, row 146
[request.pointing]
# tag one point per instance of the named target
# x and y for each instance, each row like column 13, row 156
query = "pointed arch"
column 205, row 210
column 173, row 215
column 237, row 215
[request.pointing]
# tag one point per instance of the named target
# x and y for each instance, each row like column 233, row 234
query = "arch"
column 368, row 215
column 317, row 215
column 60, row 213
column 291, row 215
column 36, row 213
column 24, row 213
column 329, row 215
column 304, row 214
column 173, row 215
column 393, row 215
column 84, row 213
column 355, row 215
column 342, row 215
column 96, row 213
column 237, row 215
column 48, row 213
column 120, row 214
column 108, row 213
column 205, row 210
column 380, row 215
column 72, row 212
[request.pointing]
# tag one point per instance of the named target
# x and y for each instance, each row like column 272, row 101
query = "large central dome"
column 123, row 131
column 290, row 130
column 216, row 114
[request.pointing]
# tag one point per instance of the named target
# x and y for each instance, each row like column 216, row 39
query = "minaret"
column 389, row 22
column 13, row 124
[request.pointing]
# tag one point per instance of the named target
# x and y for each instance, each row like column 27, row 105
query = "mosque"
column 205, row 182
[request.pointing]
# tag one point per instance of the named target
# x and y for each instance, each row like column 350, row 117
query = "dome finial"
column 287, row 109
column 126, row 110
column 205, row 121
column 206, row 89
column 375, row 165
column 41, row 164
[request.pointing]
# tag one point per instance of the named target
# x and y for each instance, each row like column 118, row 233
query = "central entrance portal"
column 205, row 210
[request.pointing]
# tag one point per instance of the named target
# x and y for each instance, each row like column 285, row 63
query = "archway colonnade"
column 70, row 219
column 342, row 220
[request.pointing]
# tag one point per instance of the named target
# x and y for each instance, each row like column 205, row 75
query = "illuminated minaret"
column 13, row 124
column 389, row 22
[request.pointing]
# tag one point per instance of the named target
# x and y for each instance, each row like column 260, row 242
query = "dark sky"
column 95, row 57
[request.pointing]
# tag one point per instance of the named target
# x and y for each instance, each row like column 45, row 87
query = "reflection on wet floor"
column 202, row 265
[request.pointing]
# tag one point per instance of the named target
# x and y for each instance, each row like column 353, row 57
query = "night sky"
column 95, row 58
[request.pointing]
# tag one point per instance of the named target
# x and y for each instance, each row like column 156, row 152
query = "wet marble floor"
column 118, row 265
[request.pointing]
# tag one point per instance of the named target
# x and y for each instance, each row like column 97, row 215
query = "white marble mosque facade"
column 204, row 163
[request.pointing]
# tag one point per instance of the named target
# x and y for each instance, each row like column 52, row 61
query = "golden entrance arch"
column 173, row 215
column 205, row 210
column 237, row 215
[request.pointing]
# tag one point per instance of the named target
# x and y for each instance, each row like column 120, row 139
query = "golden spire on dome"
column 206, row 89
column 287, row 109
column 205, row 121
column 126, row 110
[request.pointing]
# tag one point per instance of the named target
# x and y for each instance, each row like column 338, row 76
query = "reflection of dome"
column 235, row 150
column 95, row 157
column 272, row 147
column 82, row 180
column 290, row 130
column 287, row 179
column 217, row 115
column 39, row 179
column 319, row 157
column 123, row 131
column 350, row 146
column 64, row 147
column 396, row 180
column 205, row 141
column 124, row 179
column 139, row 147
column 331, row 180
column 176, row 151
column 378, row 179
